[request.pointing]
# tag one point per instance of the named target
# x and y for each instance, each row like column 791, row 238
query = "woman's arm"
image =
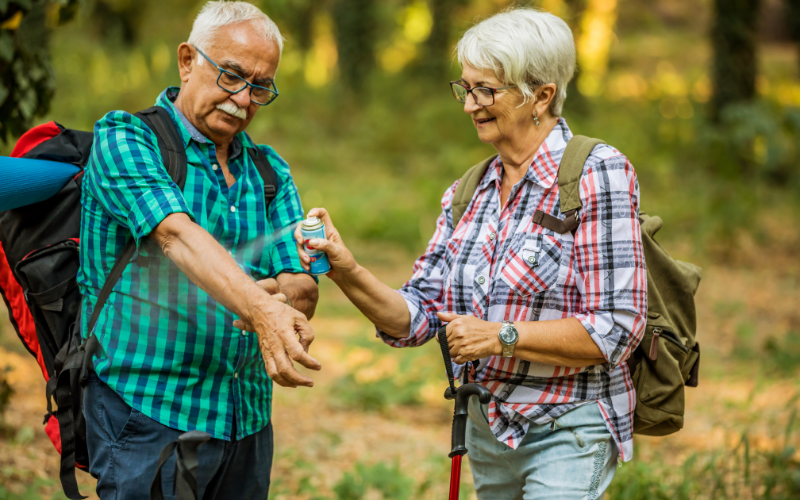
column 383, row 306
column 561, row 342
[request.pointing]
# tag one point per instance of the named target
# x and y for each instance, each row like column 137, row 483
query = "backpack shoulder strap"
column 169, row 142
column 466, row 188
column 569, row 176
column 266, row 172
column 174, row 156
column 569, row 172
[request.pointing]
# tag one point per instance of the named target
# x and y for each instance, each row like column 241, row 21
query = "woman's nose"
column 470, row 106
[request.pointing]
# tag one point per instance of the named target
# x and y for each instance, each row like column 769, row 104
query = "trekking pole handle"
column 458, row 437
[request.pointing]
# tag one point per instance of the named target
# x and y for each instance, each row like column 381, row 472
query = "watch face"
column 508, row 335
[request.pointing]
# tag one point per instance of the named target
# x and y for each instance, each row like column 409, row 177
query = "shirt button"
column 532, row 259
column 244, row 332
column 233, row 209
column 235, row 374
column 481, row 280
column 214, row 167
column 493, row 236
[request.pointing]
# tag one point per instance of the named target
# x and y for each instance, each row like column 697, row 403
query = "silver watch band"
column 508, row 349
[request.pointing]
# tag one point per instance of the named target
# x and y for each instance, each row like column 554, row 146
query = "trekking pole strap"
column 448, row 363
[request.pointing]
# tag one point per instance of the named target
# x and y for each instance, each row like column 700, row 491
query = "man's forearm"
column 382, row 305
column 209, row 266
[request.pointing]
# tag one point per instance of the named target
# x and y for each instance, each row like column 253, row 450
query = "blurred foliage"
column 27, row 81
column 33, row 491
column 388, row 481
column 5, row 394
column 743, row 471
column 378, row 382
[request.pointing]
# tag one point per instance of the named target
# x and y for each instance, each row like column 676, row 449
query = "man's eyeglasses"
column 484, row 96
column 233, row 83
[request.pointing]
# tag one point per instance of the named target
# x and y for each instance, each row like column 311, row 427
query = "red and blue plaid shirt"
column 498, row 265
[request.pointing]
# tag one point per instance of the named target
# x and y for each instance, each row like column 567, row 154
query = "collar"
column 543, row 170
column 188, row 131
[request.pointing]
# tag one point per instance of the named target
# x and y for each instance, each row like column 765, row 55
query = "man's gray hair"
column 524, row 47
column 215, row 15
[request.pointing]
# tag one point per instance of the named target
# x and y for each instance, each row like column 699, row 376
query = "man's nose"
column 242, row 99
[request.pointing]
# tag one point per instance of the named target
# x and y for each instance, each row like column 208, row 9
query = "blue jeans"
column 573, row 457
column 124, row 446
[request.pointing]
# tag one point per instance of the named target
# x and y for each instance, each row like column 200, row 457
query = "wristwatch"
column 508, row 337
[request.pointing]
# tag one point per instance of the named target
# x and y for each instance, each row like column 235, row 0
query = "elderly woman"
column 571, row 306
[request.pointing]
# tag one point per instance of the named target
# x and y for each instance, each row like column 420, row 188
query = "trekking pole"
column 461, row 395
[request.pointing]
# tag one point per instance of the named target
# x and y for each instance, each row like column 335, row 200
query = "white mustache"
column 233, row 110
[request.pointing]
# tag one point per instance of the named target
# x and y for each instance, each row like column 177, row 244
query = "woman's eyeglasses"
column 483, row 96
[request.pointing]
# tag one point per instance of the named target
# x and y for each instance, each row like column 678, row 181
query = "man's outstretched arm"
column 210, row 267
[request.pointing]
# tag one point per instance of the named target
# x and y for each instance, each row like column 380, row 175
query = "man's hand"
column 272, row 287
column 471, row 338
column 283, row 335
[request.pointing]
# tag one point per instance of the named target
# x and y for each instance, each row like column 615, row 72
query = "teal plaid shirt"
column 170, row 349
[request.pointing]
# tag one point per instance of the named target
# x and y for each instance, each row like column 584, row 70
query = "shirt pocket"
column 533, row 268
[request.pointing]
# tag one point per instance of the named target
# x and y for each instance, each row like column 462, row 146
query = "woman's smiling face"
column 505, row 120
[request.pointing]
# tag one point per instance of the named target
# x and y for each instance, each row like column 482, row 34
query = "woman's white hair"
column 524, row 47
column 215, row 15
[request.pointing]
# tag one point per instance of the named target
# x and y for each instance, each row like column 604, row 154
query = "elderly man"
column 176, row 352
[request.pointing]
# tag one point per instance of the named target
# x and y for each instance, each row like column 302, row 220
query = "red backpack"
column 38, row 268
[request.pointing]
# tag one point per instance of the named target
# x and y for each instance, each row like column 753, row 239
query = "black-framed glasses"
column 232, row 83
column 483, row 96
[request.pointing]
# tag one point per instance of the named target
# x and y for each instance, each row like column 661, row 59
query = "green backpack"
column 668, row 357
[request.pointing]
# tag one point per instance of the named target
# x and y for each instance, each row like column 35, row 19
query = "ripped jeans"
column 570, row 458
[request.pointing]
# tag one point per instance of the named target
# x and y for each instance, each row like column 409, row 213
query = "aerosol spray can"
column 311, row 228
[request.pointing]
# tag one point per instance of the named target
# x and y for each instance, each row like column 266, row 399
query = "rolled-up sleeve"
column 126, row 175
column 424, row 292
column 609, row 257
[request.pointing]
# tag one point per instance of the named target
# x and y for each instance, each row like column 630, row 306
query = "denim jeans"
column 124, row 446
column 570, row 458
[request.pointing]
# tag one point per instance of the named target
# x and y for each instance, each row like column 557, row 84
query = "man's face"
column 240, row 49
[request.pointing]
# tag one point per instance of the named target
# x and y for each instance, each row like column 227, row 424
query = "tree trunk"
column 355, row 38
column 438, row 54
column 733, row 38
column 794, row 25
column 576, row 103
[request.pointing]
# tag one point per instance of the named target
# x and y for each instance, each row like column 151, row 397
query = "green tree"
column 733, row 38
column 27, row 82
column 355, row 22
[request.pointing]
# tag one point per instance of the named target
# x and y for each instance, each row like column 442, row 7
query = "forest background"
column 703, row 96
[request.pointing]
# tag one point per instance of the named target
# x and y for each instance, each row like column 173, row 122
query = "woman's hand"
column 342, row 262
column 471, row 338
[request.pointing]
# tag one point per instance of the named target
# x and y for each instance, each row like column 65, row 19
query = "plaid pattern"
column 498, row 265
column 171, row 350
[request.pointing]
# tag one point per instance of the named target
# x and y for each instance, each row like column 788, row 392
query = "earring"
column 536, row 118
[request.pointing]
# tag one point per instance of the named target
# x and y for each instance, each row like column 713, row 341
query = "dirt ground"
column 317, row 441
